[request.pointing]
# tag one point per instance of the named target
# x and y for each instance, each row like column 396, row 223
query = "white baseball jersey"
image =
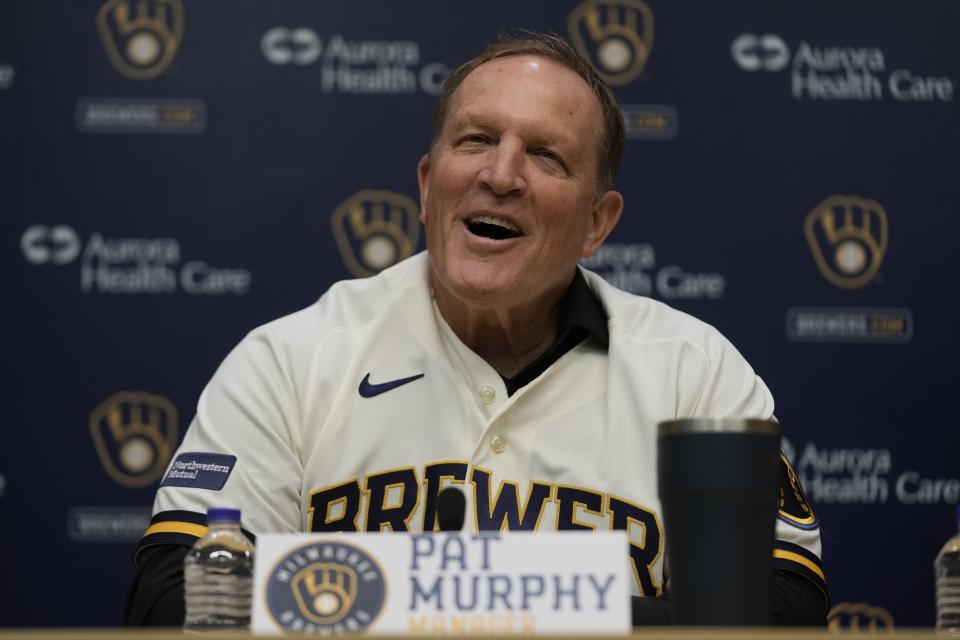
column 353, row 413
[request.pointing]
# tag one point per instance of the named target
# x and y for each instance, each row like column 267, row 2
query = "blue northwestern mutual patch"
column 200, row 471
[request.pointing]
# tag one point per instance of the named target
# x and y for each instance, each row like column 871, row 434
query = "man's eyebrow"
column 468, row 119
column 554, row 138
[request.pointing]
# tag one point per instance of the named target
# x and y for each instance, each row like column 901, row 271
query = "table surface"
column 652, row 633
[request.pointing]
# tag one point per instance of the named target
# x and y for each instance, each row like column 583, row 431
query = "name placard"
column 442, row 583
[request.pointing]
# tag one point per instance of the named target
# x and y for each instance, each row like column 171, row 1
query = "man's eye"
column 546, row 154
column 475, row 138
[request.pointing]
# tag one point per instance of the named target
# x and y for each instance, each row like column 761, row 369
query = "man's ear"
column 603, row 218
column 423, row 170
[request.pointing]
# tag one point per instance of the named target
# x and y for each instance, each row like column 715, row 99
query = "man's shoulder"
column 634, row 317
column 686, row 356
column 350, row 305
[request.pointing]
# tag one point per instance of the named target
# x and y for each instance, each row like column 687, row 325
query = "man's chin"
column 480, row 287
column 482, row 293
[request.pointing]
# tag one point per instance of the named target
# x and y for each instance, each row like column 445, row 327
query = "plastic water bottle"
column 218, row 573
column 947, row 570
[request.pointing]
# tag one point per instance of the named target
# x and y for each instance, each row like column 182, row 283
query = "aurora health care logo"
column 357, row 67
column 857, row 473
column 326, row 587
column 843, row 71
column 635, row 268
column 7, row 73
column 123, row 265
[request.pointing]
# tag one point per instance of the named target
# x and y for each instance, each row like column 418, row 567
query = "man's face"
column 509, row 194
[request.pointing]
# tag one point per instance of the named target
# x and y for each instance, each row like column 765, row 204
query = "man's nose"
column 504, row 171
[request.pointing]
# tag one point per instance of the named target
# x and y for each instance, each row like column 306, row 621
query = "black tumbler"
column 719, row 486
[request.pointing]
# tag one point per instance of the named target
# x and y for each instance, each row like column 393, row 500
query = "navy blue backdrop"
column 176, row 172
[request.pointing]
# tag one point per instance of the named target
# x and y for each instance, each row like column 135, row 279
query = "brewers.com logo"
column 616, row 36
column 141, row 36
column 135, row 434
column 375, row 230
column 848, row 238
column 326, row 587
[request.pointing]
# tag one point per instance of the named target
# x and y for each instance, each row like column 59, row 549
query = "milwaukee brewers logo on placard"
column 848, row 238
column 141, row 37
column 374, row 230
column 616, row 36
column 135, row 434
column 859, row 616
column 326, row 587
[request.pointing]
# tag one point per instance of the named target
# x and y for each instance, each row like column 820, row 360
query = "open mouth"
column 493, row 228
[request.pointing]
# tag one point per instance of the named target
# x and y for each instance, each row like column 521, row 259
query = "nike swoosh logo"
column 368, row 389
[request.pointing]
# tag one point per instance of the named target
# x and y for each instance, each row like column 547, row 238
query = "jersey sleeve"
column 731, row 388
column 241, row 450
column 797, row 541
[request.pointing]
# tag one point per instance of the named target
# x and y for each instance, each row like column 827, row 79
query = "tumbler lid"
column 718, row 425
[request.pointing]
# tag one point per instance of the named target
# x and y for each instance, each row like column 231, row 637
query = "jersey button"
column 487, row 394
column 498, row 444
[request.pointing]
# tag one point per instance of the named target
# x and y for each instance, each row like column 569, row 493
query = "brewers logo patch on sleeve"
column 793, row 507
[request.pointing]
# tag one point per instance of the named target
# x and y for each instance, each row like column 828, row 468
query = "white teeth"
column 500, row 222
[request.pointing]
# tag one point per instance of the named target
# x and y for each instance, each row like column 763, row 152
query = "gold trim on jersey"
column 494, row 499
column 171, row 526
column 799, row 559
column 807, row 522
column 345, row 499
column 366, row 493
column 443, row 481
column 657, row 583
column 577, row 503
column 796, row 489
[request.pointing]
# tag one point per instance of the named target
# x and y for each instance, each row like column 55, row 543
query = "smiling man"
column 511, row 201
column 492, row 362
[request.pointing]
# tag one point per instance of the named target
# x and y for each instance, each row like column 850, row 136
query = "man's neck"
column 507, row 337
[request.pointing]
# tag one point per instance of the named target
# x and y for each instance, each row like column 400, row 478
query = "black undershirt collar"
column 580, row 316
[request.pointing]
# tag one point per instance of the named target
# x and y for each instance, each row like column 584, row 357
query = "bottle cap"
column 222, row 514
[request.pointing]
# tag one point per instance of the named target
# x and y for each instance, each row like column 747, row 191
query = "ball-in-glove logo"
column 135, row 434
column 141, row 36
column 326, row 587
column 859, row 616
column 325, row 591
column 375, row 230
column 616, row 36
column 848, row 238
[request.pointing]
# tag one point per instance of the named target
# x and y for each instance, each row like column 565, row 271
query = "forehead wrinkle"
column 534, row 131
column 581, row 104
